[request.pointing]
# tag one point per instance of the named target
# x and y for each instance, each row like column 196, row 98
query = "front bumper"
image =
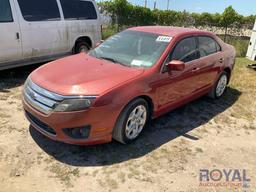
column 101, row 121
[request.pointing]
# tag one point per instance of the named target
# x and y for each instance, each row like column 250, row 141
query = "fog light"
column 78, row 132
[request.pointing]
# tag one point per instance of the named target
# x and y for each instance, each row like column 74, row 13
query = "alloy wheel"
column 221, row 86
column 135, row 122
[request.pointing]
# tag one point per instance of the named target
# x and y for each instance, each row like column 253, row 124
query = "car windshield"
column 132, row 48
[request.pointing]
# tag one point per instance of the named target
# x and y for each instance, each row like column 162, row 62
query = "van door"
column 10, row 43
column 252, row 47
column 82, row 20
column 43, row 31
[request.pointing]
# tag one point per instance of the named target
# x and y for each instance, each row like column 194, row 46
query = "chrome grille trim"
column 40, row 107
column 44, row 92
column 43, row 100
column 39, row 98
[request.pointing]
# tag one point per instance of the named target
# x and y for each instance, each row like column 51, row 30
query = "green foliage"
column 240, row 43
column 109, row 31
column 124, row 13
column 229, row 17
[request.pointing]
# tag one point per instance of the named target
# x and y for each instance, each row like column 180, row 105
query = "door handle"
column 195, row 69
column 17, row 36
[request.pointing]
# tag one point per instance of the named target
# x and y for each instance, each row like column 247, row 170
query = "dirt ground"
column 204, row 134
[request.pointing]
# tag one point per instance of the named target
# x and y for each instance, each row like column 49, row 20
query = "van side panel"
column 42, row 38
column 41, row 41
column 251, row 53
column 10, row 46
column 84, row 28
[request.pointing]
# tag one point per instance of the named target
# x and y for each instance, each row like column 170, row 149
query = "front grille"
column 40, row 124
column 39, row 98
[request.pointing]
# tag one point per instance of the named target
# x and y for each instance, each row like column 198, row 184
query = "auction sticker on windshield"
column 166, row 39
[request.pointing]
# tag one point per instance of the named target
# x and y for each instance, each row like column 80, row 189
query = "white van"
column 33, row 31
column 251, row 53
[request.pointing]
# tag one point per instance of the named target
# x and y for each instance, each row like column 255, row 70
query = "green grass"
column 108, row 31
column 240, row 44
column 244, row 81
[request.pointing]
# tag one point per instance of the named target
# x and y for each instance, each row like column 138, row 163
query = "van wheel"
column 131, row 121
column 219, row 87
column 81, row 47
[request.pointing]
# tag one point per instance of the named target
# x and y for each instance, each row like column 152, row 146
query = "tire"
column 127, row 122
column 81, row 46
column 220, row 86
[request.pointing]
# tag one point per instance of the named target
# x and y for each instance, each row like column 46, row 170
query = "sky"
column 243, row 7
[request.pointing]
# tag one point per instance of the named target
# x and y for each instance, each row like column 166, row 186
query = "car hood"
column 82, row 75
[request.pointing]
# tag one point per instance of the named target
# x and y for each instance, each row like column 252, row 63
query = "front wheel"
column 131, row 121
column 220, row 86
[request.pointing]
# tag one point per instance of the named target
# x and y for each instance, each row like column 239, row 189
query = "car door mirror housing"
column 175, row 65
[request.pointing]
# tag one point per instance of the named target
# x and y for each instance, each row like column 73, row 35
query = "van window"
column 207, row 46
column 185, row 50
column 46, row 10
column 5, row 11
column 78, row 9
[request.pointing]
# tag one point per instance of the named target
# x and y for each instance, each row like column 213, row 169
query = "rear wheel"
column 81, row 47
column 131, row 121
column 220, row 86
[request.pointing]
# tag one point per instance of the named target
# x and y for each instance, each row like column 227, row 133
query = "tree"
column 118, row 9
column 228, row 17
column 121, row 11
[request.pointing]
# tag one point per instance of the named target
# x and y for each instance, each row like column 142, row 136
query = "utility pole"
column 155, row 4
column 146, row 3
column 168, row 2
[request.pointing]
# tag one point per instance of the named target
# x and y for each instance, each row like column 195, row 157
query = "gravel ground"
column 204, row 134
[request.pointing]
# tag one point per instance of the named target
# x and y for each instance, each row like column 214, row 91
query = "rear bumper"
column 100, row 119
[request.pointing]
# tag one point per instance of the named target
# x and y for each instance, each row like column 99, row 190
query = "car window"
column 5, row 11
column 78, row 9
column 45, row 10
column 207, row 46
column 185, row 50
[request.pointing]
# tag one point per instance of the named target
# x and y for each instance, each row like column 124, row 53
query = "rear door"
column 10, row 43
column 211, row 58
column 82, row 19
column 43, row 31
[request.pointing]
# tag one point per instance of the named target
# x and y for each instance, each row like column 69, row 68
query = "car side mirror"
column 175, row 65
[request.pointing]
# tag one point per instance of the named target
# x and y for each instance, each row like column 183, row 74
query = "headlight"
column 74, row 104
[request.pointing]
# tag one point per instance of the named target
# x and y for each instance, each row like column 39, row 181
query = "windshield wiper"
column 112, row 60
column 109, row 59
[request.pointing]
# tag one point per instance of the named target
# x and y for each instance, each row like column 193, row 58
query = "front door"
column 175, row 86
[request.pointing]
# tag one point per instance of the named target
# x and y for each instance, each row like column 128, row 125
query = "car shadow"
column 11, row 78
column 164, row 129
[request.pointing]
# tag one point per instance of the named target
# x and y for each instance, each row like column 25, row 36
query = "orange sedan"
column 135, row 75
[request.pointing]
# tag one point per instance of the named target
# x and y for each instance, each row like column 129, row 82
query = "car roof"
column 170, row 31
